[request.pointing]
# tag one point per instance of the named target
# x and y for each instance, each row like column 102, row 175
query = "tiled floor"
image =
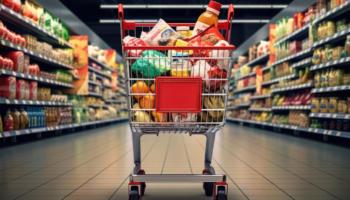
column 95, row 164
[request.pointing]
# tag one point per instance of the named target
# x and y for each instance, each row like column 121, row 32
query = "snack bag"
column 206, row 71
column 171, row 39
column 132, row 41
column 214, row 102
column 223, row 63
column 184, row 117
column 211, row 35
column 151, row 67
column 160, row 30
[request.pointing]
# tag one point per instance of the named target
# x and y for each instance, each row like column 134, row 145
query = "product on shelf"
column 8, row 87
column 17, row 58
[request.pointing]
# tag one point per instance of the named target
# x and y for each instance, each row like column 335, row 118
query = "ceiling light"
column 257, row 6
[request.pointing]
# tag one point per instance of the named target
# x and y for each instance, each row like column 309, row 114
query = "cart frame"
column 212, row 183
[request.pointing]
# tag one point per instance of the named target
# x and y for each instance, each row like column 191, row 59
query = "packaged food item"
column 330, row 28
column 317, row 57
column 324, row 105
column 24, row 119
column 16, row 118
column 208, row 18
column 142, row 116
column 317, row 79
column 17, row 58
column 33, row 90
column 347, row 45
column 8, row 87
column 151, row 68
column 171, row 39
column 132, row 41
column 214, row 102
column 160, row 117
column 204, row 70
column 26, row 64
column 184, row 117
column 223, row 63
column 333, row 104
column 181, row 68
column 342, row 106
column 26, row 90
column 160, row 30
column 329, row 52
column 8, row 121
column 337, row 52
column 184, row 30
column 20, row 89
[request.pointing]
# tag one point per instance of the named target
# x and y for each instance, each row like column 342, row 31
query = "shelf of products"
column 331, row 89
column 99, row 72
column 276, row 80
column 247, row 75
column 59, row 127
column 38, row 79
column 114, row 101
column 333, row 63
column 296, row 128
column 303, row 63
column 95, row 94
column 295, row 87
column 100, row 64
column 333, row 12
column 296, row 34
column 33, row 102
column 333, row 38
column 18, row 20
column 330, row 115
column 34, row 55
column 299, row 55
column 243, row 105
column 98, row 106
column 264, row 96
column 260, row 109
column 259, row 60
column 245, row 89
column 76, row 77
column 95, row 83
column 293, row 107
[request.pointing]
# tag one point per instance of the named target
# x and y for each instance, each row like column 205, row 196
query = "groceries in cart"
column 211, row 64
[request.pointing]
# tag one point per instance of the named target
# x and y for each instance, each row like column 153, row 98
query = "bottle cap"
column 214, row 7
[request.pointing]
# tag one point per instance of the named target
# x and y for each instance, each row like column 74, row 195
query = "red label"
column 8, row 124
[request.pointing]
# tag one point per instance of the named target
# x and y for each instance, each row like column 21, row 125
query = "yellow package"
column 181, row 43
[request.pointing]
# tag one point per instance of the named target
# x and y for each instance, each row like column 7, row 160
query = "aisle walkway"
column 95, row 164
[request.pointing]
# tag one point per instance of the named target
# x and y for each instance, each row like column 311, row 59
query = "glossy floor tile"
column 95, row 164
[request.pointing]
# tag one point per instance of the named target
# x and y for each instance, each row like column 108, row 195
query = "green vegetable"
column 151, row 68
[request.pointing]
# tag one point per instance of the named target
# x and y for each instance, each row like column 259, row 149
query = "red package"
column 17, row 6
column 8, row 87
column 8, row 64
column 23, row 42
column 204, row 70
column 36, row 69
column 9, row 3
column 18, row 60
column 1, row 63
column 210, row 34
column 11, row 36
column 200, row 53
column 20, row 89
column 2, row 32
column 132, row 41
column 26, row 64
column 33, row 90
column 31, row 69
column 26, row 90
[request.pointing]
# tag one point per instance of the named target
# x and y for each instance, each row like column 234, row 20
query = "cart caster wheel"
column 134, row 193
column 143, row 184
column 209, row 189
column 220, row 191
column 208, row 186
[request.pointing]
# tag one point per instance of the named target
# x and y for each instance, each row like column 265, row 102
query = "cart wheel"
column 134, row 193
column 143, row 184
column 209, row 188
column 221, row 194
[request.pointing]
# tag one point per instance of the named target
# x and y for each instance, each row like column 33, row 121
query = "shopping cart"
column 191, row 101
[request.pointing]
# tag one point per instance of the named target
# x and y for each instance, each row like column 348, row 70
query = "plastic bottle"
column 208, row 18
column 8, row 121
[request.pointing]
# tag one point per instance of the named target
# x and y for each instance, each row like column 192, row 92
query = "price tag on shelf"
column 7, row 101
column 312, row 114
column 18, row 132
column 22, row 75
column 25, row 50
column 310, row 129
column 347, row 116
column 324, row 132
column 37, row 102
column 11, row 45
column 343, row 32
column 341, row 6
column 49, row 103
column 14, row 73
column 338, row 134
column 19, row 48
column 24, row 102
column 40, row 56
column 334, row 116
column 29, row 76
column 327, row 39
column 16, row 102
column 315, row 130
column 41, row 79
column 321, row 89
column 343, row 87
column 347, row 59
column 36, row 78
column 31, row 102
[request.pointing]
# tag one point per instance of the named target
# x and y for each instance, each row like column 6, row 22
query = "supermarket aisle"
column 95, row 165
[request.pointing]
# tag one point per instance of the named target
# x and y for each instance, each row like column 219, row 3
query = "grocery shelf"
column 122, row 93
column 95, row 94
column 259, row 60
column 334, row 12
column 121, row 85
column 276, row 80
column 260, row 109
column 97, row 106
column 91, row 59
column 341, row 35
column 95, row 83
column 333, row 63
column 231, row 98
column 59, row 127
column 296, row 34
column 33, row 102
column 331, row 89
column 295, row 87
column 266, row 68
column 299, row 55
column 264, row 96
column 303, row 63
column 232, row 108
column 292, row 107
column 114, row 101
column 99, row 72
column 245, row 89
column 243, row 105
column 107, row 86
column 296, row 128
column 34, row 55
column 247, row 75
column 38, row 79
column 30, row 27
column 330, row 115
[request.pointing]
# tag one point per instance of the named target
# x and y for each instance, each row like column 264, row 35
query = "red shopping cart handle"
column 120, row 13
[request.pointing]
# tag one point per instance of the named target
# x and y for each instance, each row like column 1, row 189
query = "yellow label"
column 179, row 73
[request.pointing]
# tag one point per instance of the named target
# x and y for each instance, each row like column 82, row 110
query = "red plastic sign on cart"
column 178, row 94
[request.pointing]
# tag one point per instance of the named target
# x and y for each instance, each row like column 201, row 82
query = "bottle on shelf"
column 8, row 121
